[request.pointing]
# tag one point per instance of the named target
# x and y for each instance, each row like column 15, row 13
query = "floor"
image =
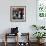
column 13, row 44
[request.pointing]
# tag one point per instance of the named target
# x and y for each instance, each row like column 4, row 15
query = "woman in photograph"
column 16, row 14
column 21, row 14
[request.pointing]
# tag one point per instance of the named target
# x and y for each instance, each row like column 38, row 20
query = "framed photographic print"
column 17, row 13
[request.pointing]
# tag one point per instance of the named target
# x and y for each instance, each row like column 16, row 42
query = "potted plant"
column 35, row 26
column 39, row 35
column 38, row 27
column 42, row 27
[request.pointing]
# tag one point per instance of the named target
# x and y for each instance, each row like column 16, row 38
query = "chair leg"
column 5, row 39
column 5, row 43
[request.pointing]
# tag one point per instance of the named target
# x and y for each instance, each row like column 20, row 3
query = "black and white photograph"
column 18, row 13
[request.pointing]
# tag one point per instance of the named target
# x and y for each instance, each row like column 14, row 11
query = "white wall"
column 5, row 23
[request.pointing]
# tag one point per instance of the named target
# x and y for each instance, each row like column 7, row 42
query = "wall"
column 5, row 23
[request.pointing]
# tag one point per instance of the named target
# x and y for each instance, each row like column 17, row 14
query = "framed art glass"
column 17, row 13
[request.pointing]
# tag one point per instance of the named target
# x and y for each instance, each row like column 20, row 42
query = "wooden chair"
column 27, row 37
column 8, row 34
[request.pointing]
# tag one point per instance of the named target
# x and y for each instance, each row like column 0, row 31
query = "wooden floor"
column 13, row 44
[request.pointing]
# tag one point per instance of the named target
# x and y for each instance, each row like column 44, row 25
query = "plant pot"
column 40, row 41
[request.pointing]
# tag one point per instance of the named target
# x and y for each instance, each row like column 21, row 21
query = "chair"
column 14, row 32
column 26, row 41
